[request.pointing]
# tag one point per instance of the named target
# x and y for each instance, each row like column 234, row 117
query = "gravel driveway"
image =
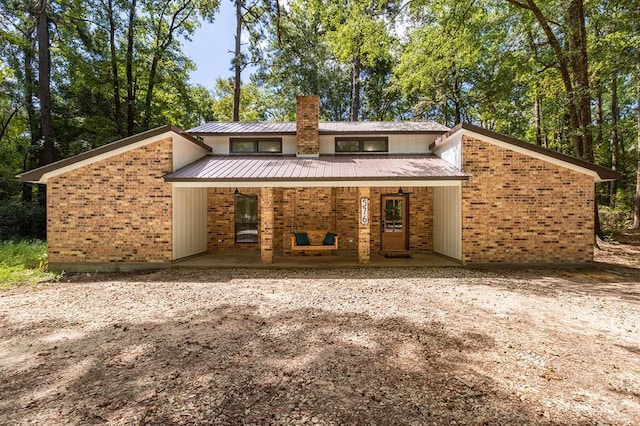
column 364, row 346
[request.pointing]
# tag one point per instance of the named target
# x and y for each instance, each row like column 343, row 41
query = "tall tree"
column 297, row 60
column 358, row 35
column 47, row 155
column 112, row 15
column 131, row 92
column 168, row 19
column 571, row 60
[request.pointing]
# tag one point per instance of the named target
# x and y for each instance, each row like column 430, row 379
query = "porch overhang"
column 221, row 183
column 324, row 171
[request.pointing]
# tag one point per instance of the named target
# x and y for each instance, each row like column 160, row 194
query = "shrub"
column 22, row 220
column 612, row 221
column 23, row 262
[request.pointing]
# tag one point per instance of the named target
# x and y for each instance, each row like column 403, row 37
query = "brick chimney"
column 307, row 139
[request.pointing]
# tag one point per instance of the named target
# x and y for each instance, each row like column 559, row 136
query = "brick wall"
column 307, row 113
column 518, row 209
column 221, row 221
column 333, row 209
column 115, row 210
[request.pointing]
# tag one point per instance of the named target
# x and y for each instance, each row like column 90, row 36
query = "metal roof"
column 337, row 127
column 237, row 127
column 330, row 167
column 382, row 127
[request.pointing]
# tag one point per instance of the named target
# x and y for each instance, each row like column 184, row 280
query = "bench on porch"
column 314, row 240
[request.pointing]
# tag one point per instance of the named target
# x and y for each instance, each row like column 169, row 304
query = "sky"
column 211, row 48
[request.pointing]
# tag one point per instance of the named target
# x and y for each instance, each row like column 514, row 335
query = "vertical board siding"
column 185, row 152
column 447, row 229
column 410, row 144
column 451, row 152
column 189, row 221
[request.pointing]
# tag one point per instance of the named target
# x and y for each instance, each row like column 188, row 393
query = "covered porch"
column 243, row 210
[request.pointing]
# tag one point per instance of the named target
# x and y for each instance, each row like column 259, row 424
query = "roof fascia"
column 244, row 134
column 323, row 132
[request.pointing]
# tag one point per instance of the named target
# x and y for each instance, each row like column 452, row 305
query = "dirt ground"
column 357, row 346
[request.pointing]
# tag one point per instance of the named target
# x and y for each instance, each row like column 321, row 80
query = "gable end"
column 44, row 173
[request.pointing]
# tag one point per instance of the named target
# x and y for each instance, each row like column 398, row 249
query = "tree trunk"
column 355, row 89
column 114, row 70
column 538, row 120
column 129, row 65
column 596, row 221
column 457, row 96
column 599, row 118
column 150, row 87
column 34, row 125
column 583, row 84
column 237, row 63
column 47, row 155
column 579, row 65
column 636, row 206
column 615, row 117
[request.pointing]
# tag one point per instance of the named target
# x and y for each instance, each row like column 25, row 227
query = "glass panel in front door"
column 393, row 216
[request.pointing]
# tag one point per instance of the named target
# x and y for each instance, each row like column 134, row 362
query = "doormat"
column 397, row 255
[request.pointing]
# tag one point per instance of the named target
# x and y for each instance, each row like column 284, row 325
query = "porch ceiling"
column 323, row 168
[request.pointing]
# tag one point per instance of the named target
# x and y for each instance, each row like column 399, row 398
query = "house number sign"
column 364, row 211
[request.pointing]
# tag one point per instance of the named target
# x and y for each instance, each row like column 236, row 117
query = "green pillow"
column 329, row 239
column 302, row 239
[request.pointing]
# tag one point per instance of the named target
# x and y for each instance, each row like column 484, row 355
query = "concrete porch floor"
column 339, row 259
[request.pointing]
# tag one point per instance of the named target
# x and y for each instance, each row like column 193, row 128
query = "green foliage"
column 612, row 221
column 20, row 220
column 297, row 61
column 23, row 262
column 255, row 103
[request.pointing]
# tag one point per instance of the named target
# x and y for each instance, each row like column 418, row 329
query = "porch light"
column 400, row 191
column 237, row 193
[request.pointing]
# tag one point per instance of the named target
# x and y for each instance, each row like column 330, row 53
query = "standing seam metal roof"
column 243, row 128
column 338, row 167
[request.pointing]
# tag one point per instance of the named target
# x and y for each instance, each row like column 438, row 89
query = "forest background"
column 77, row 74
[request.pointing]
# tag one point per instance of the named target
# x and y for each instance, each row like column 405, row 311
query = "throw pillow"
column 302, row 239
column 329, row 239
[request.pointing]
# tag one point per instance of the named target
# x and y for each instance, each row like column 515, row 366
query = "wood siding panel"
column 185, row 152
column 447, row 215
column 189, row 221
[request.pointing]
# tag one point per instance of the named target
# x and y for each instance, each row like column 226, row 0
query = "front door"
column 394, row 223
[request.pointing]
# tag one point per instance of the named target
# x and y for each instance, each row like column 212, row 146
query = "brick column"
column 266, row 225
column 364, row 229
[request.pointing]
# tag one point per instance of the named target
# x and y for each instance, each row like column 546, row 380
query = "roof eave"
column 245, row 134
column 170, row 179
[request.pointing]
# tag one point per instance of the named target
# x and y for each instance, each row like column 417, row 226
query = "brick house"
column 466, row 193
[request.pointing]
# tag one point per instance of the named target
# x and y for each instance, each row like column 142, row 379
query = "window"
column 246, row 219
column 347, row 145
column 256, row 146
